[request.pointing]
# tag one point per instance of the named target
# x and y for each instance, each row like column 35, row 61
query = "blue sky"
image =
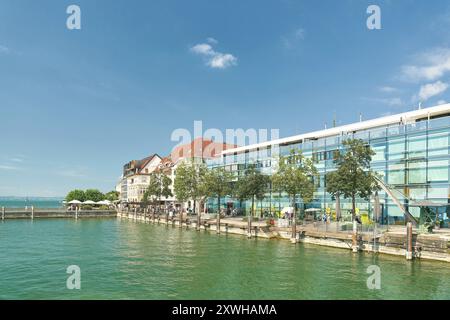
column 75, row 105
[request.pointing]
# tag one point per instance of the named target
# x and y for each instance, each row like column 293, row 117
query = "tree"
column 353, row 176
column 295, row 176
column 112, row 196
column 76, row 195
column 253, row 185
column 218, row 184
column 189, row 183
column 94, row 195
column 159, row 187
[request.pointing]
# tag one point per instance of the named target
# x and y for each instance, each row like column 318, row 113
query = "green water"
column 121, row 259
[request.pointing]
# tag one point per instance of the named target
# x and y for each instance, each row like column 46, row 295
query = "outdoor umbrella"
column 89, row 202
column 104, row 202
column 75, row 202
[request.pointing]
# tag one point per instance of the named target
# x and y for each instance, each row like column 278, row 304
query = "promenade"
column 392, row 240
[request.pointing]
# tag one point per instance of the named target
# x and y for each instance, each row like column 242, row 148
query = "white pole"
column 32, row 212
column 3, row 213
column 76, row 213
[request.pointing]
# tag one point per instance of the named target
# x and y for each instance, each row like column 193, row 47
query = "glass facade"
column 412, row 159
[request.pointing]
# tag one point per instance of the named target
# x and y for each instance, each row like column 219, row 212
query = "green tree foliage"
column 353, row 176
column 94, row 195
column 295, row 176
column 112, row 196
column 158, row 188
column 252, row 186
column 189, row 182
column 218, row 183
column 76, row 195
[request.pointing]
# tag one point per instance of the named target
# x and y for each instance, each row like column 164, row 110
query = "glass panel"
column 439, row 122
column 378, row 133
column 396, row 174
column 380, row 153
column 438, row 170
column 396, row 148
column 438, row 192
column 417, row 172
column 418, row 193
column 417, row 146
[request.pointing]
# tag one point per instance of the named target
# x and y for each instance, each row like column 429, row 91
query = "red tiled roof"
column 199, row 148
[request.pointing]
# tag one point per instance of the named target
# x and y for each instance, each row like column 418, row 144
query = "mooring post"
column 3, row 213
column 294, row 229
column 197, row 226
column 249, row 226
column 355, row 237
column 32, row 212
column 409, row 238
column 76, row 213
column 218, row 223
column 135, row 214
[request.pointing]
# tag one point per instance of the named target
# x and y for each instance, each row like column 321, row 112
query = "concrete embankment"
column 7, row 214
column 394, row 241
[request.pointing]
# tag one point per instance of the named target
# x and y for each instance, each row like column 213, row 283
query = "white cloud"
column 222, row 61
column 432, row 89
column 299, row 33
column 212, row 40
column 431, row 66
column 392, row 102
column 4, row 49
column 72, row 173
column 8, row 168
column 203, row 48
column 387, row 89
column 214, row 59
column 441, row 102
column 292, row 38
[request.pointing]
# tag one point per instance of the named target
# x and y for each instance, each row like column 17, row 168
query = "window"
column 438, row 171
column 417, row 146
column 417, row 172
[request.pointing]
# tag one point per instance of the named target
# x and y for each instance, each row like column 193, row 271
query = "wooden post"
column 135, row 214
column 294, row 228
column 249, row 226
column 355, row 237
column 197, row 227
column 76, row 213
column 218, row 223
column 3, row 213
column 409, row 238
column 32, row 212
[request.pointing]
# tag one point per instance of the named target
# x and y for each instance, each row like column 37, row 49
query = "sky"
column 75, row 105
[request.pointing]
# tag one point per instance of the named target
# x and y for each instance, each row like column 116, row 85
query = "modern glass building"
column 412, row 157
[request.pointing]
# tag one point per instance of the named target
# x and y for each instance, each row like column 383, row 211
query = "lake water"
column 18, row 202
column 122, row 259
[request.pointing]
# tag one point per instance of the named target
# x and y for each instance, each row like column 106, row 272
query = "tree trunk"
column 353, row 208
column 250, row 218
column 294, row 221
column 198, row 215
column 218, row 215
